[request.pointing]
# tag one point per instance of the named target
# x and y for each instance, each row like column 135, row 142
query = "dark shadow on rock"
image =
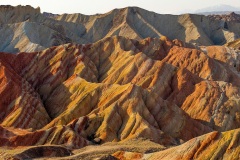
column 44, row 152
column 7, row 41
column 210, row 124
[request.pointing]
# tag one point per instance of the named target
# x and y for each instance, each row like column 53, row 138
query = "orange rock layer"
column 117, row 89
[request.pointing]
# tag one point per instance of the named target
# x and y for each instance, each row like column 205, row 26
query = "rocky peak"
column 13, row 14
column 232, row 16
column 19, row 7
column 50, row 15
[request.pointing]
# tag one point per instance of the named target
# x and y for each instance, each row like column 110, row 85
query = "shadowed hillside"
column 26, row 29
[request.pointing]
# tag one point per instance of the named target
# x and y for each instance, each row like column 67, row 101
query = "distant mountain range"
column 219, row 9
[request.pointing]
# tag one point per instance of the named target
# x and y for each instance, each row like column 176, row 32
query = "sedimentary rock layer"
column 214, row 145
column 118, row 89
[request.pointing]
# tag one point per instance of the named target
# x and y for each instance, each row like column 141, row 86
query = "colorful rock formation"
column 120, row 89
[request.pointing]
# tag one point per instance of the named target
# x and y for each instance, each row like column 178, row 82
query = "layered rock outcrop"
column 118, row 89
column 214, row 145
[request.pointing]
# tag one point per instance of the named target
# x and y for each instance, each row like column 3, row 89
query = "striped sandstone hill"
column 118, row 90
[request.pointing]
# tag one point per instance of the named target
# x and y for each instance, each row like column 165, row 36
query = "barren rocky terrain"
column 128, row 84
column 25, row 29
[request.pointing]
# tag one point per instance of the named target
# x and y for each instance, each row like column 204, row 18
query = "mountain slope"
column 114, row 86
column 210, row 146
column 214, row 145
column 116, row 90
column 26, row 29
column 138, row 23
